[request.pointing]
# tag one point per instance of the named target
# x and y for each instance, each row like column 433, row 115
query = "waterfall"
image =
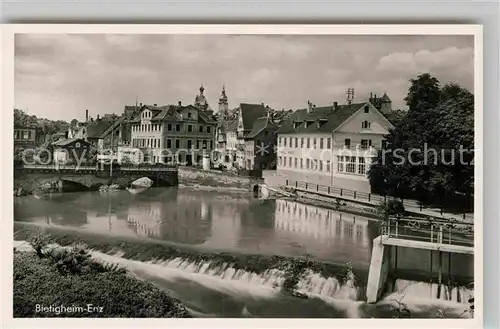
column 427, row 290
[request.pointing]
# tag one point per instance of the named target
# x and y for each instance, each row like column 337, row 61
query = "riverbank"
column 63, row 283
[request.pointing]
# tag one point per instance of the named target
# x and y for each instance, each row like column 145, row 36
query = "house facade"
column 71, row 151
column 173, row 133
column 260, row 145
column 331, row 145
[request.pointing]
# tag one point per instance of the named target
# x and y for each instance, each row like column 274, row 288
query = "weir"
column 446, row 248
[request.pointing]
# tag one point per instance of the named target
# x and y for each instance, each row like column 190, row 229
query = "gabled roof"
column 115, row 124
column 172, row 112
column 67, row 141
column 259, row 125
column 250, row 113
column 386, row 98
column 96, row 128
column 320, row 120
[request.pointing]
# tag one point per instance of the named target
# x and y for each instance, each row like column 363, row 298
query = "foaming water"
column 426, row 290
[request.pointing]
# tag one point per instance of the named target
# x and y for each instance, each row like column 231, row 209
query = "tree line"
column 428, row 155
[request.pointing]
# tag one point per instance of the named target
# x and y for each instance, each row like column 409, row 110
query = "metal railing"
column 371, row 198
column 434, row 231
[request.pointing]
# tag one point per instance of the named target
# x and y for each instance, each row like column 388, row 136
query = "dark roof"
column 250, row 113
column 112, row 127
column 320, row 120
column 259, row 125
column 172, row 112
column 386, row 98
column 96, row 128
column 231, row 125
column 67, row 141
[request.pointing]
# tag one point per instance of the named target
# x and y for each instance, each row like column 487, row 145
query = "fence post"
column 296, row 184
column 354, row 194
column 306, row 185
column 340, row 192
column 329, row 192
column 286, row 182
column 317, row 187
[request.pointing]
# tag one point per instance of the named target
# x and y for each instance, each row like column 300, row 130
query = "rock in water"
column 142, row 182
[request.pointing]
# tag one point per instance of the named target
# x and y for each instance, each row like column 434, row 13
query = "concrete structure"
column 331, row 145
column 395, row 257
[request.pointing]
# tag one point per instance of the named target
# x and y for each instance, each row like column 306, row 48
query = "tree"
column 438, row 124
column 74, row 123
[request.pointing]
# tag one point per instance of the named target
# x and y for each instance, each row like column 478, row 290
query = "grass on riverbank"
column 147, row 250
column 54, row 281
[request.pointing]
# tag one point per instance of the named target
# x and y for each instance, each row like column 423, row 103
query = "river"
column 233, row 222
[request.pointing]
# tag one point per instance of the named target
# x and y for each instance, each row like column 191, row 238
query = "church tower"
column 200, row 101
column 223, row 105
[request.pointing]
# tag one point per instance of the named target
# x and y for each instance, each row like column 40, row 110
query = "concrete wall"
column 194, row 176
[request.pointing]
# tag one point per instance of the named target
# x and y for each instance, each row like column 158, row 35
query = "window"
column 329, row 143
column 321, row 143
column 211, row 144
column 351, row 165
column 189, row 144
column 307, row 163
column 284, row 141
column 340, row 163
column 367, row 109
column 280, row 161
column 301, row 163
column 200, row 129
column 290, row 162
column 302, row 142
column 208, row 129
column 204, row 144
column 361, row 166
column 347, row 143
column 308, row 142
column 296, row 142
column 169, row 143
column 189, row 114
column 177, row 127
column 320, row 165
column 295, row 161
column 364, row 143
column 314, row 142
column 290, row 142
column 328, row 165
column 365, row 125
column 190, row 128
column 177, row 143
column 169, row 127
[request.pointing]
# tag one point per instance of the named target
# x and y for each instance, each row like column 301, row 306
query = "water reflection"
column 223, row 221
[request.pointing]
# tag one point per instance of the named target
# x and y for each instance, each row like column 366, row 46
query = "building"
column 71, row 151
column 260, row 145
column 27, row 137
column 247, row 115
column 331, row 145
column 383, row 104
column 173, row 133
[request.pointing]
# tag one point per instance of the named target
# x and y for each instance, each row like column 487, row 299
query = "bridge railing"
column 99, row 168
column 434, row 231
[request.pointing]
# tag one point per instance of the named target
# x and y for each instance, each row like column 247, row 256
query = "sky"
column 59, row 76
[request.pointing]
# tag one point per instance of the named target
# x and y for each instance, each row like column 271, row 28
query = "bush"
column 392, row 207
column 37, row 281
column 39, row 241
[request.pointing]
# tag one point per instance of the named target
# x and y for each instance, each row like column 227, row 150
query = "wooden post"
column 296, row 184
column 432, row 233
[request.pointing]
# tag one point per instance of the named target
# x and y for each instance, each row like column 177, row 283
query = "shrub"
column 392, row 207
column 38, row 281
column 39, row 240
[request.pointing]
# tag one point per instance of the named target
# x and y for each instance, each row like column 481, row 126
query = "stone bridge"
column 29, row 178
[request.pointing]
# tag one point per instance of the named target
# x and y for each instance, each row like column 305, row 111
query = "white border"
column 7, row 38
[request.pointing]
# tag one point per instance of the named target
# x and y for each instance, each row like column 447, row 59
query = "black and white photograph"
column 245, row 175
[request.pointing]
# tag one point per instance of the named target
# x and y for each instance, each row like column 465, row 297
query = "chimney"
column 180, row 103
column 86, row 115
column 371, row 96
column 309, row 107
column 335, row 106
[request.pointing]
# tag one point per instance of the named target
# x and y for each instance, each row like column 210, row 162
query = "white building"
column 331, row 145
